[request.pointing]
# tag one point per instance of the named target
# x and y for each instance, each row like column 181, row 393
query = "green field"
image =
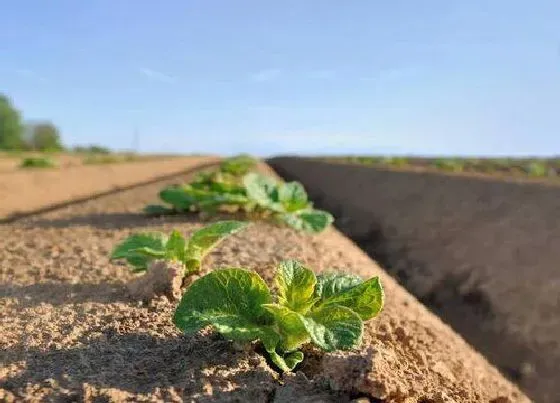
column 530, row 167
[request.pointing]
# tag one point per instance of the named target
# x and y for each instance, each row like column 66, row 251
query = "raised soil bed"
column 26, row 191
column 483, row 254
column 69, row 331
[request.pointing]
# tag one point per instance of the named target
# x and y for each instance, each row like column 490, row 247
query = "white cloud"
column 157, row 75
column 266, row 75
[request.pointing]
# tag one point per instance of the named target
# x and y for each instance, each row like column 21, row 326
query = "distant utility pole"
column 136, row 140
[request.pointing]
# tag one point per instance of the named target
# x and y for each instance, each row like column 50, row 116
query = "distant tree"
column 11, row 127
column 45, row 136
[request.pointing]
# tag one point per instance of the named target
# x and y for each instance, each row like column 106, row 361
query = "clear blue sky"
column 362, row 76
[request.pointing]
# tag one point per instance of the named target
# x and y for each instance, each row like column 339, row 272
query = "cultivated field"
column 71, row 332
column 507, row 168
column 10, row 162
column 23, row 191
column 482, row 253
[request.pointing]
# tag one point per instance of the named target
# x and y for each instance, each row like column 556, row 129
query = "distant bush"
column 450, row 165
column 37, row 162
column 92, row 149
column 537, row 168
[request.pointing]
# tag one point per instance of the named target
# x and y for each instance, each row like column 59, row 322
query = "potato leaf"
column 203, row 240
column 313, row 221
column 293, row 197
column 286, row 362
column 293, row 333
column 140, row 249
column 175, row 247
column 296, row 286
column 366, row 299
column 334, row 327
column 177, row 197
column 231, row 301
column 262, row 190
column 330, row 284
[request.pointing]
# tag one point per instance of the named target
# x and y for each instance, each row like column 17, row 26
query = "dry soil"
column 29, row 190
column 69, row 331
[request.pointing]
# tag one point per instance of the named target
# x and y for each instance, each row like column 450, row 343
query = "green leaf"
column 203, row 240
column 219, row 199
column 330, row 284
column 293, row 197
column 286, row 362
column 157, row 210
column 292, row 330
column 334, row 327
column 313, row 221
column 178, row 197
column 175, row 247
column 263, row 190
column 296, row 286
column 134, row 248
column 238, row 165
column 366, row 299
column 146, row 251
column 231, row 301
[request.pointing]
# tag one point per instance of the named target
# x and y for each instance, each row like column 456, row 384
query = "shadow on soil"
column 206, row 368
column 112, row 221
column 139, row 363
column 61, row 294
column 125, row 220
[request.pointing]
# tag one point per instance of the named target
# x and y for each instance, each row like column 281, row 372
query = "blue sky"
column 362, row 76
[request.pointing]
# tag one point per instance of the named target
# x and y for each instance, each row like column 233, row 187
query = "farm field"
column 23, row 191
column 71, row 332
column 482, row 254
column 520, row 168
column 10, row 162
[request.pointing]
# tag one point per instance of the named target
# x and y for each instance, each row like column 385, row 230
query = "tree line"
column 18, row 135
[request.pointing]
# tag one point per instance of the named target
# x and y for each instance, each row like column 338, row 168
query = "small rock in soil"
column 162, row 278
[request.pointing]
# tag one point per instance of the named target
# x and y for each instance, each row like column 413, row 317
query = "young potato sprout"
column 327, row 310
column 233, row 188
column 167, row 260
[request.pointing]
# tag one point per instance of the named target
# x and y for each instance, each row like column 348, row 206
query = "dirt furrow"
column 70, row 332
column 23, row 192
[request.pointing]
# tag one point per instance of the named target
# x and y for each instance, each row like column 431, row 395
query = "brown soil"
column 25, row 191
column 70, row 332
column 481, row 254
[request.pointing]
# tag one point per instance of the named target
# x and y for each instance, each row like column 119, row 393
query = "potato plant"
column 37, row 162
column 252, row 193
column 327, row 310
column 166, row 261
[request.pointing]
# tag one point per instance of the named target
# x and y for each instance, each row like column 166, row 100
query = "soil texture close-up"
column 482, row 254
column 70, row 332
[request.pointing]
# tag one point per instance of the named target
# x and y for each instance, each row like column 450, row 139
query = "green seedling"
column 327, row 310
column 37, row 162
column 139, row 250
column 286, row 203
column 238, row 165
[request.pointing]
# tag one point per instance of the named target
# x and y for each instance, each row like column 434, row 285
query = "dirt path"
column 25, row 191
column 69, row 332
